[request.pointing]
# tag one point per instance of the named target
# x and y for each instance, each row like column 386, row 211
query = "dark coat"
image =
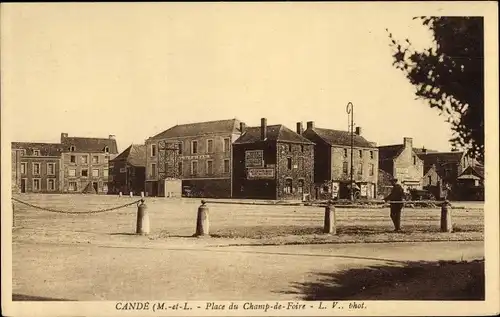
column 397, row 194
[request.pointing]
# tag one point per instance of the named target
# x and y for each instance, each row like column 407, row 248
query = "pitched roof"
column 339, row 137
column 193, row 129
column 46, row 149
column 388, row 152
column 276, row 133
column 477, row 170
column 135, row 155
column 444, row 157
column 92, row 145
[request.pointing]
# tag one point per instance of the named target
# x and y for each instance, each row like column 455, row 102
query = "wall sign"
column 260, row 173
column 195, row 157
column 254, row 158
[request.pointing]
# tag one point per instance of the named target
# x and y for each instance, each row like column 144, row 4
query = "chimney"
column 263, row 129
column 424, row 150
column 63, row 136
column 358, row 130
column 112, row 137
column 408, row 142
column 300, row 129
column 310, row 124
column 242, row 127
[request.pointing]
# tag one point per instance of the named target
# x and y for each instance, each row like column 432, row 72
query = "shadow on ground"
column 443, row 280
column 21, row 297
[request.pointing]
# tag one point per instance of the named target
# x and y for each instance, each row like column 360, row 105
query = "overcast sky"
column 134, row 70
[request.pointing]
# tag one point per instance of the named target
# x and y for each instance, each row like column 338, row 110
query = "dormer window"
column 72, row 148
column 106, row 149
column 36, row 152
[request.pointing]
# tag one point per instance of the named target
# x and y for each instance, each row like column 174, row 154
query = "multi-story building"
column 332, row 165
column 199, row 154
column 36, row 167
column 85, row 163
column 127, row 171
column 272, row 162
column 401, row 161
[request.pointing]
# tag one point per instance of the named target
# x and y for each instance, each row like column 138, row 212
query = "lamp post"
column 350, row 111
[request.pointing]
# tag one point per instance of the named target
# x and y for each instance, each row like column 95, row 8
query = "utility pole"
column 350, row 111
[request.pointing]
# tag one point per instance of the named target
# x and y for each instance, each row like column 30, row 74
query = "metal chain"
column 77, row 212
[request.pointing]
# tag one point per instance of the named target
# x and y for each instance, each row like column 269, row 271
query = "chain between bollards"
column 202, row 221
column 142, row 219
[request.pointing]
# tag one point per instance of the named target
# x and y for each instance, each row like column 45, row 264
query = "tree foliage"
column 450, row 76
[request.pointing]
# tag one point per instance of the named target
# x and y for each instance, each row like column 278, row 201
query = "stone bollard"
column 330, row 226
column 446, row 224
column 202, row 222
column 142, row 219
column 120, row 194
column 131, row 195
column 142, row 194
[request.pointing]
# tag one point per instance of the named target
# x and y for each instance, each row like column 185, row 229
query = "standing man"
column 397, row 194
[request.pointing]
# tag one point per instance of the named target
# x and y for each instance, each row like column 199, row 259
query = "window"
column 289, row 148
column 23, row 152
column 210, row 146
column 302, row 148
column 85, row 172
column 360, row 169
column 51, row 169
column 372, row 168
column 194, row 168
column 226, row 166
column 153, row 170
column 105, row 172
column 345, row 152
column 288, row 186
column 72, row 186
column 72, row 148
column 36, row 184
column 72, row 159
column 194, row 147
column 360, row 153
column 95, row 172
column 414, row 160
column 23, row 168
column 85, row 159
column 210, row 167
column 153, row 150
column 72, row 172
column 180, row 168
column 430, row 179
column 345, row 167
column 300, row 186
column 289, row 163
column 227, row 145
column 180, row 148
column 106, row 149
column 371, row 154
column 51, row 185
column 36, row 168
column 36, row 152
column 95, row 159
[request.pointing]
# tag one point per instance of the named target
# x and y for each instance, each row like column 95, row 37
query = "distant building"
column 36, row 167
column 332, row 166
column 272, row 162
column 85, row 163
column 470, row 183
column 127, row 171
column 402, row 162
column 199, row 154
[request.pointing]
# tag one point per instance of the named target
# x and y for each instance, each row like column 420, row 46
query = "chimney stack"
column 112, row 137
column 408, row 142
column 300, row 129
column 310, row 124
column 358, row 130
column 242, row 127
column 424, row 150
column 263, row 129
column 63, row 136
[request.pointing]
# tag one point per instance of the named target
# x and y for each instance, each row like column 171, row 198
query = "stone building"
column 272, row 162
column 199, row 154
column 127, row 171
column 36, row 167
column 85, row 163
column 402, row 162
column 332, row 166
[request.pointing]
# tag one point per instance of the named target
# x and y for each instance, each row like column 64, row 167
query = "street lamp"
column 350, row 111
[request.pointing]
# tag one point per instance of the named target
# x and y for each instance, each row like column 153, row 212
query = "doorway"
column 94, row 185
column 23, row 185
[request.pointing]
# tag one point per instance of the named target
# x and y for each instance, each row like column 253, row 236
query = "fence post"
column 142, row 219
column 446, row 224
column 202, row 222
column 330, row 225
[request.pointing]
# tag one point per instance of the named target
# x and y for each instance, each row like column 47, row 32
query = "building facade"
column 332, row 166
column 402, row 162
column 85, row 163
column 200, row 154
column 272, row 162
column 36, row 167
column 127, row 171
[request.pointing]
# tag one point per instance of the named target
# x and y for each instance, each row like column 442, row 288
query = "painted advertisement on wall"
column 260, row 173
column 254, row 158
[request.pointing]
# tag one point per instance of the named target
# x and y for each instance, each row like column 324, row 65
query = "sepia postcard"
column 250, row 159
